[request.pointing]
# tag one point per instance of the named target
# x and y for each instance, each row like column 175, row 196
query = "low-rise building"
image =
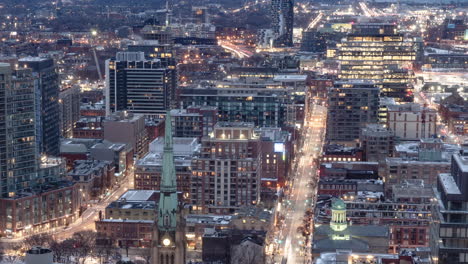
column 377, row 142
column 47, row 207
column 93, row 177
column 120, row 154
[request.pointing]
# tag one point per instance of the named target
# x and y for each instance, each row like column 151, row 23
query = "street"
column 289, row 244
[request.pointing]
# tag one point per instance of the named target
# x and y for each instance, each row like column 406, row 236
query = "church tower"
column 168, row 236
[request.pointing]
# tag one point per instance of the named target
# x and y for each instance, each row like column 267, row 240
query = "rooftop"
column 448, row 184
column 137, row 195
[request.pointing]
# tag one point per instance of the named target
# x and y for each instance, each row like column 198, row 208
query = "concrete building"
column 69, row 107
column 18, row 156
column 227, row 175
column 449, row 241
column 138, row 85
column 129, row 128
column 412, row 121
column 47, row 106
column 148, row 170
column 377, row 142
column 89, row 127
column 351, row 106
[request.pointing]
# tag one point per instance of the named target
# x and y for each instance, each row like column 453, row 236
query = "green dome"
column 338, row 204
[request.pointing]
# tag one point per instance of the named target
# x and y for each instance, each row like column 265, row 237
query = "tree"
column 84, row 242
column 145, row 255
column 39, row 240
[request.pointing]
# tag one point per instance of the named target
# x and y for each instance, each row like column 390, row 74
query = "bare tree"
column 84, row 244
column 39, row 240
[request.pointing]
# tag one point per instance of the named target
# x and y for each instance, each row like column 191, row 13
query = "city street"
column 86, row 221
column 290, row 245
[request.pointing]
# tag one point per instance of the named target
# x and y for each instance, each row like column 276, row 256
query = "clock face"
column 166, row 242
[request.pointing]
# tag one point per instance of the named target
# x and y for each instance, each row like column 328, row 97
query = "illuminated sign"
column 466, row 34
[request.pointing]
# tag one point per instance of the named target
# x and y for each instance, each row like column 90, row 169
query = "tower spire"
column 168, row 203
column 168, row 181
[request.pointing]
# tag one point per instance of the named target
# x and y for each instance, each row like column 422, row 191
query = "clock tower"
column 169, row 241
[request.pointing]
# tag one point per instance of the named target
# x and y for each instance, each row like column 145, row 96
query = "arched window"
column 167, row 259
column 172, row 259
column 162, row 259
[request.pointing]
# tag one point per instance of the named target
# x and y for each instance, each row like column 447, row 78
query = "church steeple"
column 169, row 239
column 168, row 203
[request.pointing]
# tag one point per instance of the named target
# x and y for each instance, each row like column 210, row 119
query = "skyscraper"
column 17, row 131
column 282, row 22
column 376, row 52
column 168, row 237
column 138, row 85
column 47, row 107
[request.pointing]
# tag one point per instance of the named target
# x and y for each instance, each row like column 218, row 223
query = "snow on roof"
column 448, row 184
column 137, row 195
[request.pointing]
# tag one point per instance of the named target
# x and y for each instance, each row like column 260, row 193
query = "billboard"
column 466, row 34
column 279, row 147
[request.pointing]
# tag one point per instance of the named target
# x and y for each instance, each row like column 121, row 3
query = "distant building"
column 193, row 121
column 129, row 128
column 412, row 121
column 376, row 52
column 138, row 85
column 69, row 106
column 282, row 12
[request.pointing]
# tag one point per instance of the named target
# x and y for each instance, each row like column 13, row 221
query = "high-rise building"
column 227, row 175
column 168, row 236
column 47, row 106
column 282, row 12
column 449, row 242
column 17, row 131
column 138, row 85
column 352, row 105
column 376, row 52
column 69, row 106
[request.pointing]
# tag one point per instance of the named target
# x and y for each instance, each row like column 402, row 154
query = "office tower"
column 449, row 241
column 227, row 175
column 69, row 106
column 154, row 50
column 352, row 105
column 169, row 239
column 376, row 52
column 135, row 84
column 47, row 107
column 282, row 12
column 200, row 15
column 17, row 132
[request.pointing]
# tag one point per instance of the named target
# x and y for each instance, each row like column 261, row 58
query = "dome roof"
column 338, row 204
